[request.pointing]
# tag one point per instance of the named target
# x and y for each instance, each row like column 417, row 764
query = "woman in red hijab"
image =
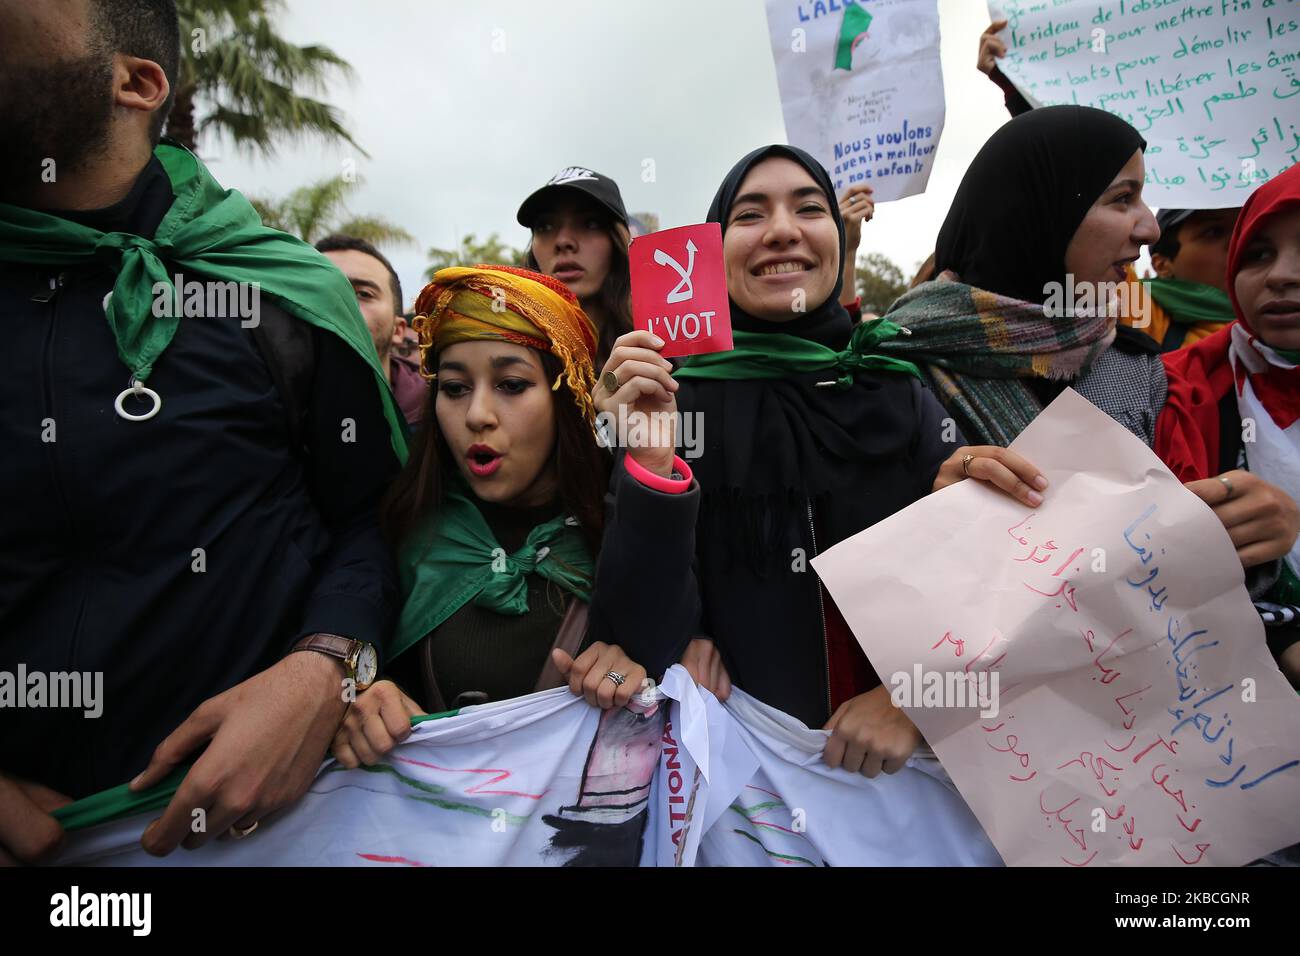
column 1232, row 418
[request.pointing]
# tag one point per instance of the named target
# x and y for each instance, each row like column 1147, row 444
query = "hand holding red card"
column 679, row 289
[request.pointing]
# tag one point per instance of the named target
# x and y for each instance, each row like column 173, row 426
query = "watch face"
column 367, row 666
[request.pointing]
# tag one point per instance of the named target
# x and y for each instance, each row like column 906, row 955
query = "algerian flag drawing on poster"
column 861, row 88
column 853, row 28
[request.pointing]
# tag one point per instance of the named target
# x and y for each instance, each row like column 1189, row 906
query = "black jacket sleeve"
column 350, row 462
column 646, row 597
column 1015, row 100
column 938, row 436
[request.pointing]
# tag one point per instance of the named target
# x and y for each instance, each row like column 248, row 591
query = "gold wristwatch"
column 360, row 660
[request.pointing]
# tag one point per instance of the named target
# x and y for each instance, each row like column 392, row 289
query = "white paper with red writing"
column 1141, row 719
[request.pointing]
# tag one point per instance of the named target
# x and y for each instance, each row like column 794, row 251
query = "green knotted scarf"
column 776, row 355
column 210, row 232
column 452, row 558
column 1188, row 303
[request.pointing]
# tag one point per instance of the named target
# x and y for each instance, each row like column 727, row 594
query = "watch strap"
column 343, row 649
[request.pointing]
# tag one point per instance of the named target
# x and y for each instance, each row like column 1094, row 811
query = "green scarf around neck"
column 1188, row 303
column 452, row 558
column 776, row 355
column 210, row 232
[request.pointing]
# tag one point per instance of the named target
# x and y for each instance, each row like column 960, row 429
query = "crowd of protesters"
column 229, row 519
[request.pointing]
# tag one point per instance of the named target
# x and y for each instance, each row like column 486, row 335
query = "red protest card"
column 679, row 289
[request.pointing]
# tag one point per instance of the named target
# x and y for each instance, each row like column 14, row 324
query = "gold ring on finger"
column 965, row 464
column 1227, row 483
column 610, row 381
column 237, row 833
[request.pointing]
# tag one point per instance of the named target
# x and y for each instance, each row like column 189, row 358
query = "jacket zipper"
column 51, row 300
column 821, row 611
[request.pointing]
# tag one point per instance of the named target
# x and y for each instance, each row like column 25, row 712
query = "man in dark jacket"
column 176, row 538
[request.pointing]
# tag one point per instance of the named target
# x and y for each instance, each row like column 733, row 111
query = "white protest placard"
column 1210, row 84
column 1091, row 673
column 861, row 88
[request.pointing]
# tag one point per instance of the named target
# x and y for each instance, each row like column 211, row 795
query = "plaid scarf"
column 979, row 351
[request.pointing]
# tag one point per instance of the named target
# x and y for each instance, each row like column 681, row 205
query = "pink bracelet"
column 669, row 486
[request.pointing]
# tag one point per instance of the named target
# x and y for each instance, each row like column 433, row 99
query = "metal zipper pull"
column 56, row 283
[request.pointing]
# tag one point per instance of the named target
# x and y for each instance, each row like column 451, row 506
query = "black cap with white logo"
column 600, row 188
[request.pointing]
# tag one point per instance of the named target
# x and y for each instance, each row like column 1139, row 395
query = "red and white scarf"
column 1268, row 396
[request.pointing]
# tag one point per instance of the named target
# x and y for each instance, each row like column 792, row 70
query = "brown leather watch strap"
column 333, row 645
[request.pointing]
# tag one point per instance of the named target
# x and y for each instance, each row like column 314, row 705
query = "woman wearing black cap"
column 580, row 236
column 811, row 438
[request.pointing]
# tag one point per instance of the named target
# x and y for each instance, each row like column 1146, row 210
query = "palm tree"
column 313, row 211
column 472, row 251
column 246, row 79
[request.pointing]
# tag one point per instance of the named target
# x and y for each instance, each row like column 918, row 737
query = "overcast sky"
column 459, row 133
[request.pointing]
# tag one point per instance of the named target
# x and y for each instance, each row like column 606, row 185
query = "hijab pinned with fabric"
column 509, row 304
column 797, row 404
column 981, row 328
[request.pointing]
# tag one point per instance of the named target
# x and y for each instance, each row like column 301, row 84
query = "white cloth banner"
column 1210, row 84
column 549, row 780
column 861, row 88
column 1091, row 672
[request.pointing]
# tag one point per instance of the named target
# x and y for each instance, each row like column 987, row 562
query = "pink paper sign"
column 679, row 289
column 1091, row 672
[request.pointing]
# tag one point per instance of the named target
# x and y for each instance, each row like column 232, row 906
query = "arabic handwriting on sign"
column 1170, row 745
column 1241, row 93
column 1109, row 674
column 1012, row 530
column 993, row 663
column 1162, row 783
column 1295, row 137
column 1012, row 743
column 1201, row 721
column 955, row 641
column 1293, row 87
column 1066, row 590
column 1049, row 546
column 1098, row 767
column 1129, row 828
column 1076, row 835
column 1128, row 533
column 1201, row 847
column 1250, row 784
column 1129, row 715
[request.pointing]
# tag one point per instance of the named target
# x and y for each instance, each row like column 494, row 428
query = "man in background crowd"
column 379, row 296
